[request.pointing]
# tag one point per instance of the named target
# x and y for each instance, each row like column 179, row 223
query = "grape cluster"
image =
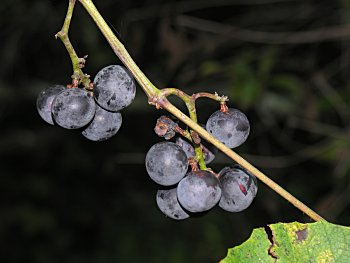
column 197, row 191
column 95, row 112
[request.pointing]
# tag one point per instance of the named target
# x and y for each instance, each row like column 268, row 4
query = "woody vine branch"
column 158, row 98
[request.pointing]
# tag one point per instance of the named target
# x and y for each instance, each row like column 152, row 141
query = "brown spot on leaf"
column 301, row 235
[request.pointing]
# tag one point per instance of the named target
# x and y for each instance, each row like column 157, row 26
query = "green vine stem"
column 191, row 107
column 77, row 63
column 215, row 96
column 156, row 98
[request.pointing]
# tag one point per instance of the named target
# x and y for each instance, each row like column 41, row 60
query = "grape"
column 187, row 147
column 199, row 191
column 239, row 188
column 114, row 88
column 44, row 102
column 231, row 127
column 73, row 108
column 169, row 205
column 166, row 163
column 190, row 152
column 104, row 125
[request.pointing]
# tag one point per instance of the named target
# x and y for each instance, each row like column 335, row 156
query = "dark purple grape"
column 231, row 127
column 44, row 102
column 239, row 188
column 114, row 88
column 166, row 163
column 104, row 125
column 186, row 146
column 190, row 152
column 169, row 205
column 199, row 191
column 73, row 108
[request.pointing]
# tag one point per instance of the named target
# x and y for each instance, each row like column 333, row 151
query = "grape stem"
column 184, row 133
column 215, row 96
column 190, row 103
column 78, row 76
column 157, row 98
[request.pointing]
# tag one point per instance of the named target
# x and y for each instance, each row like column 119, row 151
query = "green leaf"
column 320, row 242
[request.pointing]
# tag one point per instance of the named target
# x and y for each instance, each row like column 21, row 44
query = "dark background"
column 66, row 199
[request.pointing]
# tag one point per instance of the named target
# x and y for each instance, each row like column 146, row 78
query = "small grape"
column 199, row 191
column 114, row 88
column 104, row 125
column 208, row 147
column 190, row 152
column 239, row 188
column 44, row 102
column 187, row 147
column 166, row 163
column 169, row 205
column 231, row 127
column 73, row 108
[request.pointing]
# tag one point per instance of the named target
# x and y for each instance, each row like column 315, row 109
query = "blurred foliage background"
column 285, row 63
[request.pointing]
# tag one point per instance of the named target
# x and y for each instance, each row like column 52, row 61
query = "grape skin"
column 73, row 108
column 199, row 191
column 167, row 203
column 166, row 163
column 104, row 125
column 231, row 127
column 114, row 88
column 44, row 102
column 190, row 152
column 239, row 189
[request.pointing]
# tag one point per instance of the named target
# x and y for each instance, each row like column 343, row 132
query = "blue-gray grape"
column 44, row 102
column 114, row 88
column 239, row 188
column 166, row 163
column 199, row 191
column 104, row 125
column 231, row 127
column 190, row 152
column 169, row 205
column 73, row 108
